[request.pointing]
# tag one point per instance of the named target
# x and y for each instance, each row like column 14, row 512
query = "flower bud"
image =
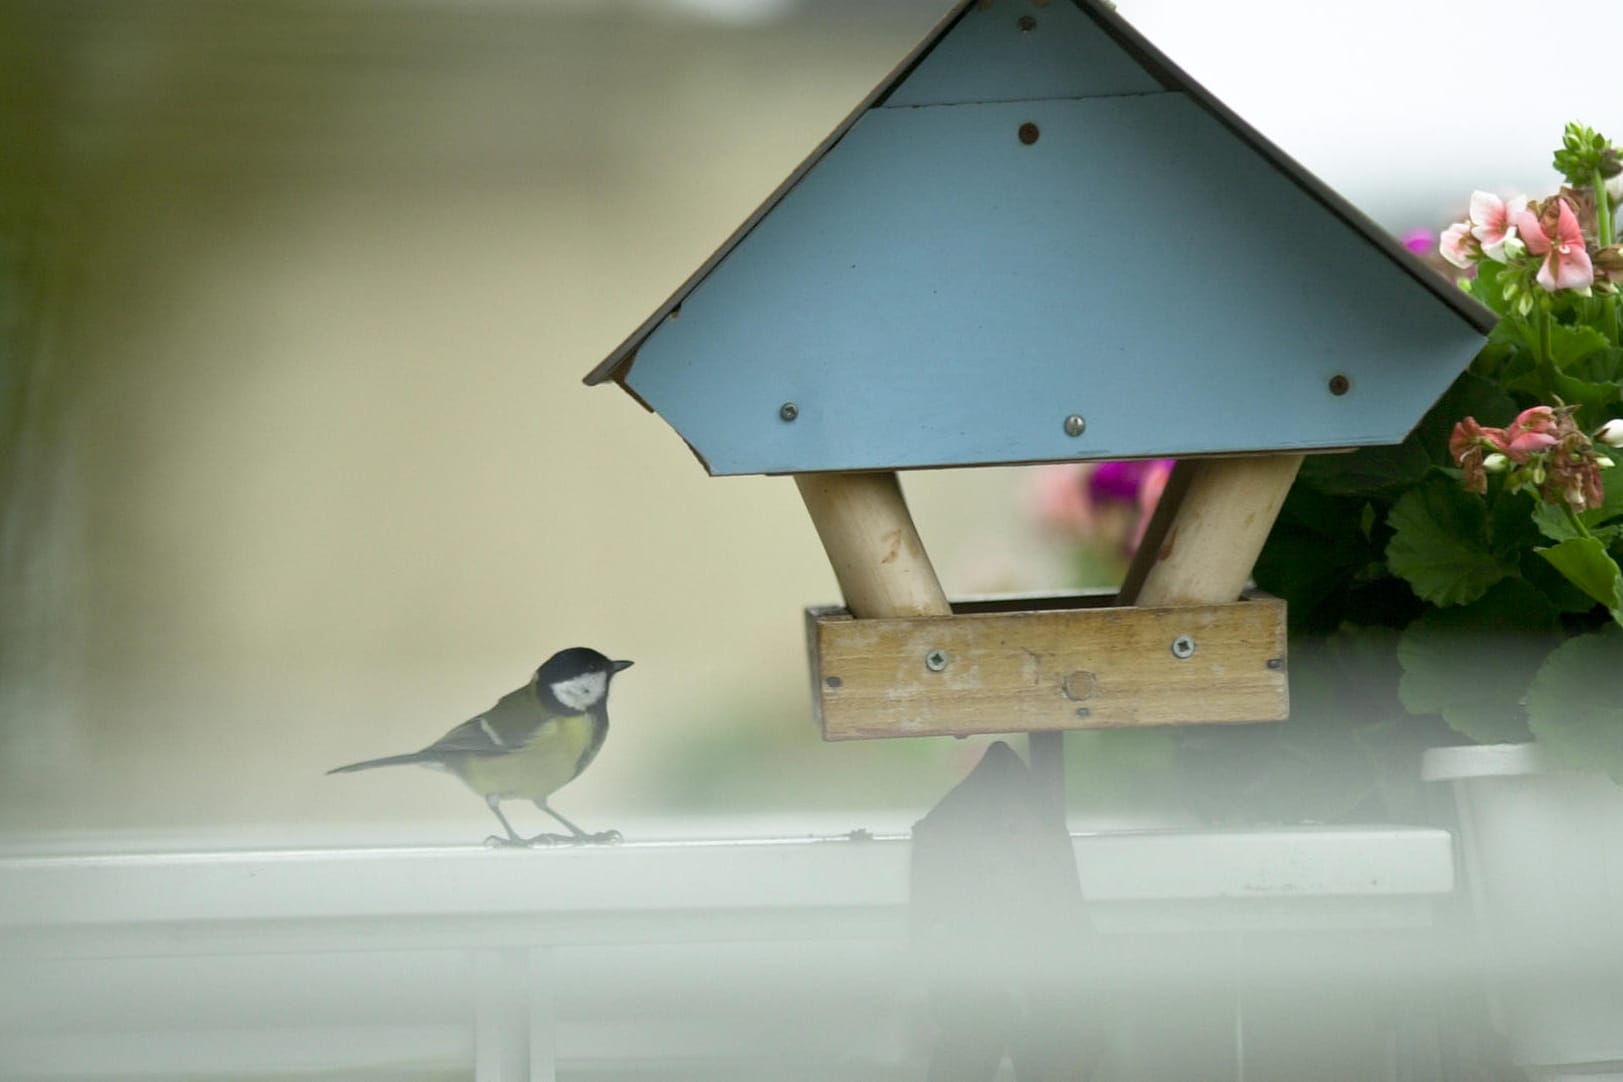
column 1603, row 462
column 1495, row 463
column 1611, row 433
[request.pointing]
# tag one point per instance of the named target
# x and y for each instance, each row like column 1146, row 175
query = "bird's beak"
column 621, row 666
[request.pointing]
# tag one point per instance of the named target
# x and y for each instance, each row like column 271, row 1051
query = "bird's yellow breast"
column 536, row 770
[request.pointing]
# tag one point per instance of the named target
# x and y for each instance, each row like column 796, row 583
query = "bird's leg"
column 576, row 835
column 496, row 841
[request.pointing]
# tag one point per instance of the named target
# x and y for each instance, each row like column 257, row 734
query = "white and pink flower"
column 1459, row 247
column 1490, row 230
column 1493, row 224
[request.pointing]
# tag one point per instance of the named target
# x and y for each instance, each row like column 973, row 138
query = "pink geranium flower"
column 1532, row 431
column 1469, row 445
column 1566, row 260
column 1493, row 223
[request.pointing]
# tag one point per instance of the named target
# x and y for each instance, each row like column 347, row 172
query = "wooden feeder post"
column 1214, row 519
column 973, row 270
column 878, row 558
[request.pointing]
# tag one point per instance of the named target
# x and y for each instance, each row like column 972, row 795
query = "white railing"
column 712, row 959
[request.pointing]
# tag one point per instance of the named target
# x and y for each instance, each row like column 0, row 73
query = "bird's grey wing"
column 476, row 736
column 506, row 727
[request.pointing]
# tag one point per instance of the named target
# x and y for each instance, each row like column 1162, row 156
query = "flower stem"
column 1603, row 210
column 1605, row 236
column 1545, row 346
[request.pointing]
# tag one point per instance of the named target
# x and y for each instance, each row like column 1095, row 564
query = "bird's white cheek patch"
column 583, row 691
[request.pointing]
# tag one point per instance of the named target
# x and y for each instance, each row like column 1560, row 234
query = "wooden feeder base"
column 1047, row 664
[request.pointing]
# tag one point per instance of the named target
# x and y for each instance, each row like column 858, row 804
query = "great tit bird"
column 530, row 744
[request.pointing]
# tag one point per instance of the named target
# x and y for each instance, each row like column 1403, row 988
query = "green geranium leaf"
column 1602, row 366
column 1571, row 344
column 1554, row 523
column 1574, row 706
column 1315, row 552
column 1440, row 543
column 1511, row 527
column 1555, row 587
column 1368, row 470
column 1473, row 664
column 1593, row 399
column 1586, row 564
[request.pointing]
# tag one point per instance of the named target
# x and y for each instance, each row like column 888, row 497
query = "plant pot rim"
column 1484, row 761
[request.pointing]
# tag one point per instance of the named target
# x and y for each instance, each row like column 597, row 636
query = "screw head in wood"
column 935, row 660
column 1183, row 647
column 1075, row 425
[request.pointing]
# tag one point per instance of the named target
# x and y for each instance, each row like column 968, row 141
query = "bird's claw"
column 497, row 841
column 607, row 837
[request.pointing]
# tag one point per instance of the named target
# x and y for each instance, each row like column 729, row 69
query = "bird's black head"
column 576, row 680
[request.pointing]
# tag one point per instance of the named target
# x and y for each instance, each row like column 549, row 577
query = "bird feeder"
column 1037, row 240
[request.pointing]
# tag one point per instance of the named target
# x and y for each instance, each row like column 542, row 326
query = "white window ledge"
column 1281, row 877
column 393, row 962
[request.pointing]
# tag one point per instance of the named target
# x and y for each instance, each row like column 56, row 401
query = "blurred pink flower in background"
column 1108, row 502
column 1419, row 241
column 1059, row 499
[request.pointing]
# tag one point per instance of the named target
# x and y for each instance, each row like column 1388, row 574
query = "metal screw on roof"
column 788, row 411
column 1029, row 133
column 1340, row 384
column 1026, row 24
column 1075, row 425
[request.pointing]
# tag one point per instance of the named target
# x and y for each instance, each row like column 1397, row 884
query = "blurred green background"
column 296, row 467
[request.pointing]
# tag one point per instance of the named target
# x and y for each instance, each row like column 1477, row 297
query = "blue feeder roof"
column 1038, row 240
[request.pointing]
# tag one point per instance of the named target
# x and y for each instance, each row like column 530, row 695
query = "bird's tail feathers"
column 387, row 760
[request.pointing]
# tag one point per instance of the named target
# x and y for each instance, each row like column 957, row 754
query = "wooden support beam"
column 873, row 545
column 1200, row 548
